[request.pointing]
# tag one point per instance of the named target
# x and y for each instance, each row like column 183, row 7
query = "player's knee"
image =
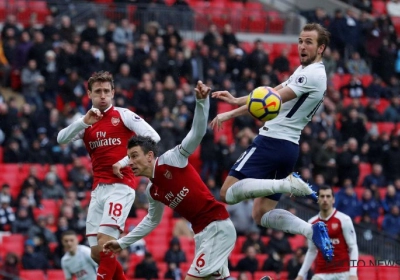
column 257, row 215
column 222, row 195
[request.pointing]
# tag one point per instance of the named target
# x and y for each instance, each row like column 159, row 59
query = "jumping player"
column 274, row 152
column 343, row 236
column 105, row 130
column 175, row 183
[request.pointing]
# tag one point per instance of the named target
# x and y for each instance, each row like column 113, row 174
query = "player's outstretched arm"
column 226, row 96
column 147, row 225
column 223, row 117
column 75, row 130
column 308, row 261
column 199, row 124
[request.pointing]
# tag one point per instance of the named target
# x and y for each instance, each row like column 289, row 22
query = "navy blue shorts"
column 266, row 158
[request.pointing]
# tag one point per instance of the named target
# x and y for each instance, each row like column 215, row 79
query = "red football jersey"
column 182, row 189
column 340, row 228
column 106, row 142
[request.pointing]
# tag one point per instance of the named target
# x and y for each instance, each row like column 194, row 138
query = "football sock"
column 107, row 266
column 252, row 188
column 119, row 272
column 284, row 220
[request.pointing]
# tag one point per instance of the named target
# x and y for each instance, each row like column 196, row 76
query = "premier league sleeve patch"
column 301, row 80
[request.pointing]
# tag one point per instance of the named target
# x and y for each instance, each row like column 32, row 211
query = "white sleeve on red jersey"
column 351, row 240
column 310, row 255
column 137, row 124
column 150, row 222
column 198, row 129
column 72, row 132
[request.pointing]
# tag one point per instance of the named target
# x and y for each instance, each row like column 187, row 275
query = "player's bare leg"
column 229, row 181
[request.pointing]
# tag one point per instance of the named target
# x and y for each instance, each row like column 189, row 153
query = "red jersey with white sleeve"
column 343, row 237
column 177, row 184
column 106, row 142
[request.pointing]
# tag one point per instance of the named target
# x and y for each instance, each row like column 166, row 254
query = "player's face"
column 101, row 95
column 70, row 243
column 325, row 200
column 309, row 52
column 140, row 163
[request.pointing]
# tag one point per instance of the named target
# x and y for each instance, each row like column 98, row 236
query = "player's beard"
column 311, row 59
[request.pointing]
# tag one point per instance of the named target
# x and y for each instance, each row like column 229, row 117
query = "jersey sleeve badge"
column 301, row 80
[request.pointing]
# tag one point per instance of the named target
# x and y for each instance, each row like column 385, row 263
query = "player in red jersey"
column 105, row 130
column 175, row 183
column 342, row 234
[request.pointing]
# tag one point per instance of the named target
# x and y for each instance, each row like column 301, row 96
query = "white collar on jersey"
column 106, row 109
column 327, row 218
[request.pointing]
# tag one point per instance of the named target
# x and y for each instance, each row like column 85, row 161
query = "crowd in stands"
column 154, row 71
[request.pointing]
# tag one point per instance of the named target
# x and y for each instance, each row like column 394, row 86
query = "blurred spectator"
column 175, row 254
column 279, row 243
column 147, row 269
column 249, row 262
column 123, row 258
column 325, row 160
column 6, row 192
column 348, row 162
column 123, row 34
column 32, row 259
column 346, row 200
column 391, row 198
column 240, row 215
column 295, row 263
column 377, row 89
column 51, row 189
column 370, row 205
column 141, row 200
column 254, row 239
column 40, row 229
column 391, row 222
column 392, row 112
column 357, row 65
column 212, row 186
column 376, row 179
column 274, row 263
column 391, row 160
column 281, row 63
column 354, row 88
column 23, row 222
column 367, row 234
column 10, row 267
column 7, row 216
column 173, row 272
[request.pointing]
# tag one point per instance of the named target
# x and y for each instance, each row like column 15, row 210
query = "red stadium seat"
column 261, row 259
column 13, row 238
column 388, row 272
column 56, row 274
column 134, row 260
column 235, row 258
column 297, row 241
column 379, row 8
column 369, row 273
column 32, row 274
column 366, row 80
column 365, row 169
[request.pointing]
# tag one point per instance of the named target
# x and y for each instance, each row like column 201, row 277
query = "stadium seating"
column 32, row 274
column 56, row 274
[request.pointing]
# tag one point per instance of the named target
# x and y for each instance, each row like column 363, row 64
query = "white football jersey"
column 80, row 265
column 309, row 84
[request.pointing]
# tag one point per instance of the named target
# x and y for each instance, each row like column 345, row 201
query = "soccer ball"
column 264, row 103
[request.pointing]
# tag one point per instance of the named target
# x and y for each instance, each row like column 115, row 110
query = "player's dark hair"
column 146, row 143
column 324, row 188
column 101, row 76
column 323, row 34
column 68, row 232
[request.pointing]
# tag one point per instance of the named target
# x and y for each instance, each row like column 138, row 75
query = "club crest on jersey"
column 301, row 80
column 115, row 121
column 335, row 226
column 168, row 174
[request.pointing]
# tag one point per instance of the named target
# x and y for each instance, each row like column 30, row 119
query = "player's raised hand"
column 92, row 116
column 112, row 246
column 224, row 95
column 219, row 119
column 202, row 90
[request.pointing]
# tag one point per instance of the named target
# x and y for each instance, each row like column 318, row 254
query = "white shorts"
column 108, row 209
column 332, row 276
column 213, row 247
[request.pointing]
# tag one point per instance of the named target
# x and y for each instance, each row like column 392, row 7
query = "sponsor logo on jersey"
column 115, row 121
column 81, row 273
column 168, row 174
column 105, row 142
column 178, row 198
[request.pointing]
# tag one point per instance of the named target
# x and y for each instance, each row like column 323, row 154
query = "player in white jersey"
column 274, row 152
column 341, row 230
column 77, row 261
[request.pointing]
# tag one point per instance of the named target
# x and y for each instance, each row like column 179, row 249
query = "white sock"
column 284, row 220
column 252, row 188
